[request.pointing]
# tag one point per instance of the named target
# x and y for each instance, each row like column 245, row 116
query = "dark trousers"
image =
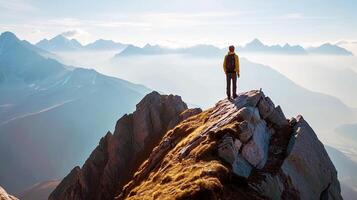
column 231, row 77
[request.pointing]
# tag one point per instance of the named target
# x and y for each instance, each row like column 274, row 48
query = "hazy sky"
column 183, row 22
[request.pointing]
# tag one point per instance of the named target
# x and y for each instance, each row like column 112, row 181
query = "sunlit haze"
column 184, row 23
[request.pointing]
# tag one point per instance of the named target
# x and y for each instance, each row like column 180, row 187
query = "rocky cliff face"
column 118, row 155
column 5, row 196
column 246, row 148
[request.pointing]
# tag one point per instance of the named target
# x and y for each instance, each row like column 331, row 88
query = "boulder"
column 256, row 150
column 249, row 114
column 241, row 167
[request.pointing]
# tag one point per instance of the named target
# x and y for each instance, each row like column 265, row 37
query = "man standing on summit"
column 231, row 68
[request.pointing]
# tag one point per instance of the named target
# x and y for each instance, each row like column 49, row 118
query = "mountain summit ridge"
column 242, row 147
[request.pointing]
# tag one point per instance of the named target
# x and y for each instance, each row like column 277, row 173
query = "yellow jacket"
column 236, row 63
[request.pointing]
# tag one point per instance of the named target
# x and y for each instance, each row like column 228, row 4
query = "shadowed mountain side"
column 118, row 155
column 48, row 143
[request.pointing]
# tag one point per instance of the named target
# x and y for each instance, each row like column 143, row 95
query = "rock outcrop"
column 116, row 158
column 242, row 148
column 5, row 196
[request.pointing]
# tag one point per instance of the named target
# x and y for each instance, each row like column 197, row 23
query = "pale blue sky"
column 183, row 22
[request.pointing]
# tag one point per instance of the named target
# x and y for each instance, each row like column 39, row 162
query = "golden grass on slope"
column 172, row 177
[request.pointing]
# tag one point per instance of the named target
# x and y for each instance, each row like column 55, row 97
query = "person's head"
column 231, row 48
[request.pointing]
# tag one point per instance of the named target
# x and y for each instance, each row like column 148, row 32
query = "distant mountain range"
column 329, row 49
column 52, row 115
column 256, row 46
column 61, row 43
column 197, row 50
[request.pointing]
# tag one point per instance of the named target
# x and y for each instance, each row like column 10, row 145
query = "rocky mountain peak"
column 245, row 147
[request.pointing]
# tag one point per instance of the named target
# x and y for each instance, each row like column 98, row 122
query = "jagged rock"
column 309, row 166
column 306, row 173
column 204, row 158
column 5, row 196
column 278, row 117
column 256, row 150
column 250, row 98
column 266, row 107
column 292, row 121
column 118, row 155
column 227, row 150
column 253, row 97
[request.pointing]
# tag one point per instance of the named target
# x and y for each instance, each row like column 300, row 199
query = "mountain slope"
column 45, row 106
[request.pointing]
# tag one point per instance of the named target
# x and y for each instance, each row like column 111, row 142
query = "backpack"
column 230, row 63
